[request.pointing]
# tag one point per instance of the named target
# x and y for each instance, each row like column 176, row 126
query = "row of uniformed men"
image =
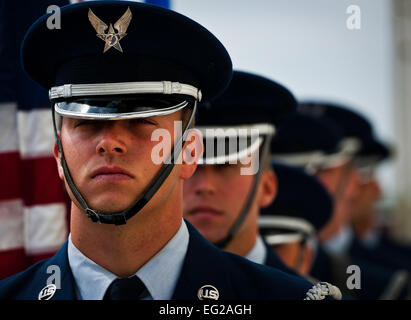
column 128, row 239
column 317, row 195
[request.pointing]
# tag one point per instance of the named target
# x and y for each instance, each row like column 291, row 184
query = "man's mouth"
column 111, row 173
column 204, row 211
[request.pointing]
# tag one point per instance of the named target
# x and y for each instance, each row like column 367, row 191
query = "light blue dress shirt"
column 160, row 274
column 258, row 253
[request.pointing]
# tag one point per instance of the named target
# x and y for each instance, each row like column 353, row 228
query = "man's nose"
column 204, row 181
column 354, row 184
column 112, row 139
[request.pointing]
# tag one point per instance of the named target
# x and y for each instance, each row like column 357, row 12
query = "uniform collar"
column 258, row 253
column 93, row 280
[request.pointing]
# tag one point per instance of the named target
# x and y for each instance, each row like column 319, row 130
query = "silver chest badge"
column 47, row 292
column 208, row 292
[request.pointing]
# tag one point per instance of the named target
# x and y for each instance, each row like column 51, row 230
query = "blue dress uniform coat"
column 384, row 253
column 234, row 277
column 377, row 282
column 177, row 57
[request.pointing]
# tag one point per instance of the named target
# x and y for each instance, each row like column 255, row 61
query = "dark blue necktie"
column 125, row 289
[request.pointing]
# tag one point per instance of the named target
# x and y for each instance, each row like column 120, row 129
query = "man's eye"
column 224, row 166
column 142, row 121
column 82, row 123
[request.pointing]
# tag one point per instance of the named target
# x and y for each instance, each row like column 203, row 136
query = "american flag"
column 34, row 207
column 33, row 203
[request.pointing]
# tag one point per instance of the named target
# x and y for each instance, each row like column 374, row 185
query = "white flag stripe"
column 11, row 224
column 45, row 228
column 8, row 125
column 35, row 131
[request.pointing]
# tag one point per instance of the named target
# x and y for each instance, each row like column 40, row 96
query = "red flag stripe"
column 10, row 175
column 35, row 180
column 40, row 182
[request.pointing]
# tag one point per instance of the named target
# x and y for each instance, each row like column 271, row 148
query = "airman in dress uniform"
column 121, row 77
column 366, row 242
column 318, row 145
column 290, row 224
column 223, row 198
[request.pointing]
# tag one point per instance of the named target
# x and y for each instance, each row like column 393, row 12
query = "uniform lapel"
column 273, row 260
column 270, row 258
column 54, row 268
column 204, row 265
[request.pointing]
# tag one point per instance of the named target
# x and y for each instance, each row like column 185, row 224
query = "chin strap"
column 243, row 213
column 119, row 218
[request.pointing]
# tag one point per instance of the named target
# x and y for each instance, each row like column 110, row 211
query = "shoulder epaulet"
column 322, row 290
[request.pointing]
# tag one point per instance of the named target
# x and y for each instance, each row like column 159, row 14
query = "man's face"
column 344, row 176
column 341, row 183
column 214, row 197
column 369, row 192
column 363, row 205
column 110, row 161
column 291, row 252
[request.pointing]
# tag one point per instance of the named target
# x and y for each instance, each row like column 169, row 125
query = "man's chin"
column 108, row 207
column 111, row 200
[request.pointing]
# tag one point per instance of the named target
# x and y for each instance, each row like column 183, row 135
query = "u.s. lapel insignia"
column 208, row 292
column 111, row 38
column 47, row 292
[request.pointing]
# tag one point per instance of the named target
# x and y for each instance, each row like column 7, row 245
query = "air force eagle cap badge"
column 111, row 38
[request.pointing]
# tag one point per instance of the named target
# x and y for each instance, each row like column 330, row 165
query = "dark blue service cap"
column 253, row 106
column 373, row 147
column 306, row 133
column 311, row 143
column 299, row 196
column 125, row 41
column 352, row 123
column 249, row 99
column 373, row 152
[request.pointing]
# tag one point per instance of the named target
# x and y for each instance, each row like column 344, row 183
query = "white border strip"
column 286, row 222
column 35, row 132
column 8, row 124
column 45, row 228
column 11, row 224
column 275, row 239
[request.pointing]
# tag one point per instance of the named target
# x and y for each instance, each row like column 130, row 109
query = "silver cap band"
column 99, row 89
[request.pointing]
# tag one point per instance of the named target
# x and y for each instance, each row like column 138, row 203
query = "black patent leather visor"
column 121, row 107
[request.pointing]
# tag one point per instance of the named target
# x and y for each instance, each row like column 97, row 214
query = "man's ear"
column 56, row 154
column 192, row 151
column 268, row 188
